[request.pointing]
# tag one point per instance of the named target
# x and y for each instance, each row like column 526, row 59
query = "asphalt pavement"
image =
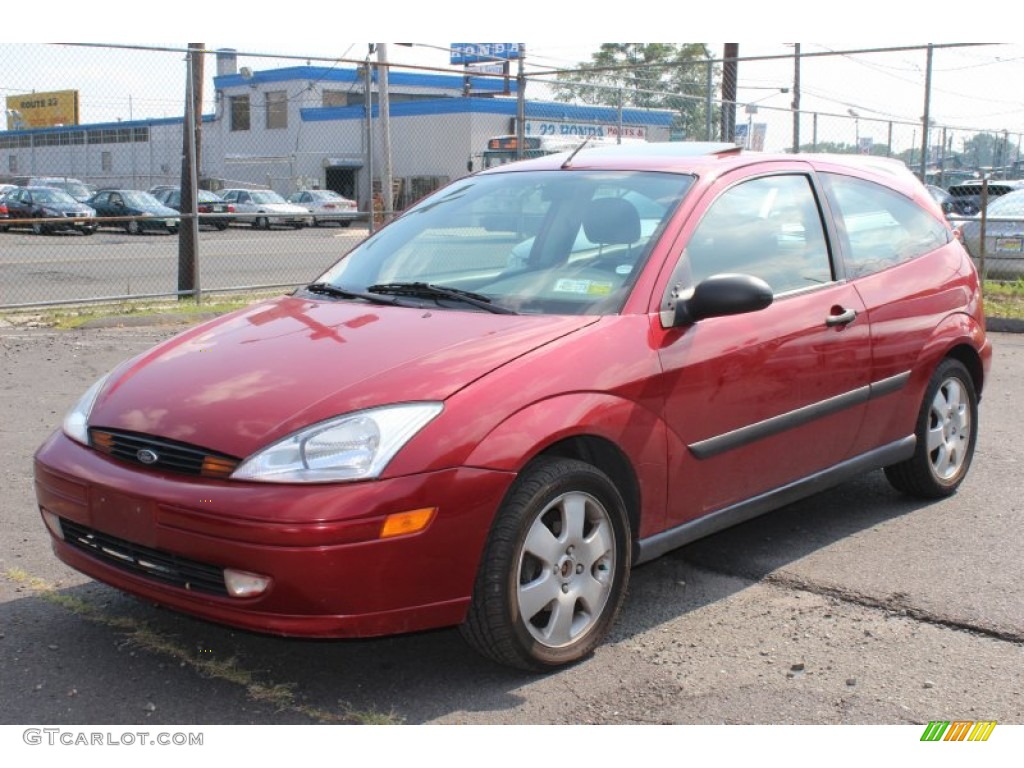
column 855, row 606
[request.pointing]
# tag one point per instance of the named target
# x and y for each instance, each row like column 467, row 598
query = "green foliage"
column 671, row 76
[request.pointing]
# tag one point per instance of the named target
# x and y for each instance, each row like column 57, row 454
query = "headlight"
column 76, row 423
column 353, row 447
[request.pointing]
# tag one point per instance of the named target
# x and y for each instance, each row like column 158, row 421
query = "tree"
column 672, row 76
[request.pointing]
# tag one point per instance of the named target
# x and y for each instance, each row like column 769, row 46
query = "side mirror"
column 720, row 295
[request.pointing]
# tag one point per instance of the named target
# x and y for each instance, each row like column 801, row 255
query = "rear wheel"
column 261, row 222
column 38, row 228
column 946, row 432
column 554, row 571
column 132, row 227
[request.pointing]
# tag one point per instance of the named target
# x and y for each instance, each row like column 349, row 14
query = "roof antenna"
column 568, row 160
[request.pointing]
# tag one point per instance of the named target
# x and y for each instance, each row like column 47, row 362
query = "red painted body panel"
column 246, row 379
column 331, row 575
column 644, row 397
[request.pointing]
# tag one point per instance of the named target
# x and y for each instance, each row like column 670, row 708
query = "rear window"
column 880, row 228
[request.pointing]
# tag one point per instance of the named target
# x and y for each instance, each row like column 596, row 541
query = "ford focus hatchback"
column 541, row 375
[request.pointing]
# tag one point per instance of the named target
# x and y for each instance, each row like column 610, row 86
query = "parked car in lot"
column 326, row 205
column 431, row 433
column 1004, row 236
column 967, row 194
column 265, row 208
column 943, row 198
column 212, row 208
column 75, row 187
column 46, row 210
column 148, row 213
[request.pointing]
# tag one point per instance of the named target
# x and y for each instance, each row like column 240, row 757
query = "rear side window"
column 880, row 228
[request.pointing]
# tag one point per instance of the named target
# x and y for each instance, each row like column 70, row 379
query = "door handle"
column 842, row 317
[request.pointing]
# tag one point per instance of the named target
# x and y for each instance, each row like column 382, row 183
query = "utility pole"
column 796, row 98
column 368, row 104
column 521, row 103
column 926, row 118
column 188, row 236
column 387, row 188
column 729, row 75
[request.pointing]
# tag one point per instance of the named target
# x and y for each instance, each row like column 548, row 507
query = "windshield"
column 43, row 195
column 140, row 200
column 266, row 196
column 543, row 242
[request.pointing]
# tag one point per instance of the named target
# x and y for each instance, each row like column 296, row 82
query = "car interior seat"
column 611, row 221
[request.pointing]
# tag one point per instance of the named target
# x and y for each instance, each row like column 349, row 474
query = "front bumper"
column 331, row 576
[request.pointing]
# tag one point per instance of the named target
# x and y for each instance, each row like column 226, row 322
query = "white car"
column 264, row 208
column 326, row 205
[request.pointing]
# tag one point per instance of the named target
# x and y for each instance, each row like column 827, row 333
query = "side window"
column 879, row 228
column 239, row 113
column 769, row 227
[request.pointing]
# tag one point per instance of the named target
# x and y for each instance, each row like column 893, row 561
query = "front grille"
column 143, row 561
column 162, row 454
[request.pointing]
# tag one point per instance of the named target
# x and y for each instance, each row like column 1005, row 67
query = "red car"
column 490, row 410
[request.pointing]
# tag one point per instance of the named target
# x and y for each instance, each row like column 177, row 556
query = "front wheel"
column 261, row 222
column 554, row 571
column 946, row 432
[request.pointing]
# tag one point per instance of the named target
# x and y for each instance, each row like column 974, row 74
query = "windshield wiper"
column 430, row 291
column 344, row 293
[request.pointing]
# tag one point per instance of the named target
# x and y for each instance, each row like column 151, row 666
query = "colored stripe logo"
column 958, row 730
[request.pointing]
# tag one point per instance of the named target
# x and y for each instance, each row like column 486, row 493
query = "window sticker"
column 585, row 287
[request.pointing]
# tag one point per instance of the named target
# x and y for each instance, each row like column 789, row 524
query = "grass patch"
column 281, row 696
column 1004, row 298
column 71, row 317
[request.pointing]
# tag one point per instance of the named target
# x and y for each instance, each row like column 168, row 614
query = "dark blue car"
column 133, row 211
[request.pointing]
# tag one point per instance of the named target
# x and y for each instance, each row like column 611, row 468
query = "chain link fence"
column 352, row 140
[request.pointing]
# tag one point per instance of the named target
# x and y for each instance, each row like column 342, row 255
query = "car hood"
column 69, row 208
column 237, row 383
column 282, row 208
column 158, row 210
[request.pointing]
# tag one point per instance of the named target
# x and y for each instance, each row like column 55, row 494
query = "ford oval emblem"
column 146, row 456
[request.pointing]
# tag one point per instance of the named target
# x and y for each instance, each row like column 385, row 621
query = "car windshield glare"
column 53, row 196
column 266, row 196
column 140, row 200
column 540, row 242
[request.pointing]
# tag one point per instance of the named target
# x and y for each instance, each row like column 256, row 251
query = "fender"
column 636, row 431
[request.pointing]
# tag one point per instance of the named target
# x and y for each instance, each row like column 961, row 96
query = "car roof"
column 711, row 159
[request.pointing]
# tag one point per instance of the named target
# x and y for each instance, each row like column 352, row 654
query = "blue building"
column 306, row 126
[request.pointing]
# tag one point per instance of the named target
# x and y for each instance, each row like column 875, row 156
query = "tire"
column 946, row 432
column 88, row 230
column 132, row 227
column 345, row 224
column 554, row 570
column 221, row 225
column 261, row 222
column 38, row 228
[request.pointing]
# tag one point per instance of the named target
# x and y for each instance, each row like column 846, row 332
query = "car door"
column 757, row 401
column 19, row 204
column 906, row 266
